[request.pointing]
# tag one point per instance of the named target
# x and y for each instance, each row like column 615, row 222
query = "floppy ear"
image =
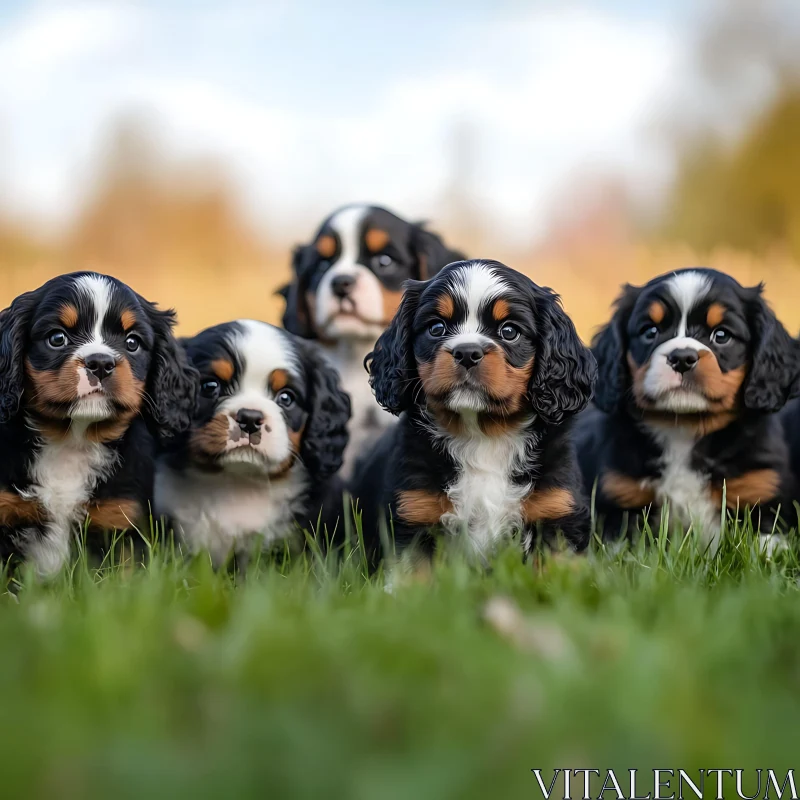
column 325, row 436
column 391, row 365
column 14, row 322
column 172, row 382
column 431, row 252
column 774, row 375
column 609, row 347
column 297, row 316
column 565, row 369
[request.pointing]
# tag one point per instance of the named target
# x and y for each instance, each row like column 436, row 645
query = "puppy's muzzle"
column 249, row 420
column 468, row 355
column 683, row 359
column 342, row 286
column 99, row 366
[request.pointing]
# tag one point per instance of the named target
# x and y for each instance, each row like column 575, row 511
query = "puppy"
column 267, row 437
column 691, row 368
column 89, row 374
column 347, row 286
column 486, row 371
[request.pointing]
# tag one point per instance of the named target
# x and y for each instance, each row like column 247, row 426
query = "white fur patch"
column 663, row 385
column 98, row 290
column 687, row 289
column 475, row 286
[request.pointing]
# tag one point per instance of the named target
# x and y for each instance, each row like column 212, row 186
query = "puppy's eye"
column 382, row 262
column 437, row 329
column 57, row 339
column 132, row 344
column 209, row 388
column 649, row 333
column 509, row 332
column 286, row 398
column 720, row 336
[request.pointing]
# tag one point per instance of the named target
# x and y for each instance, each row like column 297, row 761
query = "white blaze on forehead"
column 97, row 290
column 347, row 224
column 687, row 289
column 262, row 348
column 475, row 286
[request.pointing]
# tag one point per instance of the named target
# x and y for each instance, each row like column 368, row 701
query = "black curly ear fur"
column 297, row 316
column 14, row 322
column 609, row 346
column 325, row 436
column 172, row 383
column 774, row 376
column 391, row 365
column 564, row 369
column 431, row 252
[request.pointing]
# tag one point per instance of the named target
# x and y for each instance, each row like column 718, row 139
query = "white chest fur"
column 224, row 512
column 487, row 503
column 687, row 491
column 63, row 476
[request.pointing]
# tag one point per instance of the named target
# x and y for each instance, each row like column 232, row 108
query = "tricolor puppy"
column 691, row 368
column 486, row 371
column 89, row 374
column 268, row 435
column 347, row 286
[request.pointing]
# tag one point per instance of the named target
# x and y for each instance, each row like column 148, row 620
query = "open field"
column 311, row 681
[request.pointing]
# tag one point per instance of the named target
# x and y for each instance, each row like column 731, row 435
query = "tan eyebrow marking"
column 326, row 246
column 656, row 311
column 500, row 310
column 445, row 306
column 68, row 315
column 376, row 239
column 278, row 379
column 222, row 368
column 715, row 314
column 128, row 319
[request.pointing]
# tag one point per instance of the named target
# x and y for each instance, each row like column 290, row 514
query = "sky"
column 310, row 105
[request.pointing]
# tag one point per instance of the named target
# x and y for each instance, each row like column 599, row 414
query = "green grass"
column 308, row 680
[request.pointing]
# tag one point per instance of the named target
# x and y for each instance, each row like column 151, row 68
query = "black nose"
column 342, row 285
column 249, row 420
column 101, row 365
column 683, row 359
column 468, row 355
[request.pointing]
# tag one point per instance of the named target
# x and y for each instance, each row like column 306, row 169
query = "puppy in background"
column 692, row 368
column 90, row 375
column 486, row 372
column 267, row 438
column 347, row 286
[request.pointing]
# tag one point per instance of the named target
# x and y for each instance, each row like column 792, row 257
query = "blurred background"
column 185, row 146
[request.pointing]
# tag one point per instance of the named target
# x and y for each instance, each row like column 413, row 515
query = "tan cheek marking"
column 656, row 312
column 421, row 507
column 211, row 439
column 296, row 438
column 625, row 491
column 547, row 504
column 117, row 514
column 391, row 302
column 278, row 379
column 750, row 489
column 68, row 315
column 445, row 306
column 52, row 386
column 504, row 382
column 715, row 314
column 638, row 374
column 500, row 309
column 376, row 240
column 222, row 368
column 15, row 510
column 439, row 376
column 326, row 246
column 110, row 430
column 128, row 319
column 721, row 388
column 125, row 388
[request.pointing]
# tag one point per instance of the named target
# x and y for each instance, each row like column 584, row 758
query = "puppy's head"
column 695, row 342
column 481, row 337
column 85, row 348
column 267, row 401
column 348, row 280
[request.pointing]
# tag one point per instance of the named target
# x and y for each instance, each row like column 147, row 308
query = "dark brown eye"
column 57, row 339
column 509, row 332
column 649, row 333
column 209, row 389
column 720, row 336
column 286, row 398
column 132, row 344
column 437, row 329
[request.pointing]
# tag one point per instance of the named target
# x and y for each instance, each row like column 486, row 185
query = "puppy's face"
column 349, row 279
column 689, row 344
column 254, row 398
column 475, row 341
column 89, row 350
